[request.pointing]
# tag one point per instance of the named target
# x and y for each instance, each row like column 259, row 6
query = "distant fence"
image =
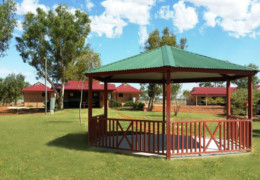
column 195, row 109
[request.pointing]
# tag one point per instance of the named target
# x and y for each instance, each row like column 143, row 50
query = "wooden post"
column 196, row 100
column 250, row 110
column 228, row 102
column 105, row 100
column 90, row 109
column 250, row 98
column 163, row 102
column 168, row 153
column 163, row 125
column 206, row 100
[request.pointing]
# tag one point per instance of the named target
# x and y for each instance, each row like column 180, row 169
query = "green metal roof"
column 168, row 56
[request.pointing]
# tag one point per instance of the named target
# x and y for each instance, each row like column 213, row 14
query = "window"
column 43, row 94
column 120, row 95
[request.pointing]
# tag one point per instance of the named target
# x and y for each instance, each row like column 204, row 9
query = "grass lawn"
column 55, row 147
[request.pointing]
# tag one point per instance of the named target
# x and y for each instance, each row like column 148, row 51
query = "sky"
column 227, row 30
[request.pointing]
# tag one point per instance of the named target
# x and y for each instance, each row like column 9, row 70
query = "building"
column 199, row 94
column 34, row 95
column 125, row 92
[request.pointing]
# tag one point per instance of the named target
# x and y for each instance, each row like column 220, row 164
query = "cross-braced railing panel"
column 186, row 137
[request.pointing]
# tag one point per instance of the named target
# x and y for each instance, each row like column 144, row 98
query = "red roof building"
column 126, row 88
column 211, row 91
column 37, row 87
column 96, row 86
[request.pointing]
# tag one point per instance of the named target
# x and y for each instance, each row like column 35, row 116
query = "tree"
column 11, row 86
column 175, row 91
column 212, row 84
column 242, row 83
column 88, row 60
column 59, row 37
column 7, row 24
column 186, row 94
column 154, row 41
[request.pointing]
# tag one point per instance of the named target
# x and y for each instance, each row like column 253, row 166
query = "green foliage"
column 186, row 94
column 116, row 104
column 239, row 97
column 212, row 84
column 11, row 86
column 154, row 41
column 138, row 106
column 7, row 24
column 129, row 104
column 214, row 101
column 87, row 60
column 242, row 83
column 58, row 36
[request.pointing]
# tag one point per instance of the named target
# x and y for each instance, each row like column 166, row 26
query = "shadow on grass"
column 256, row 133
column 71, row 141
column 80, row 142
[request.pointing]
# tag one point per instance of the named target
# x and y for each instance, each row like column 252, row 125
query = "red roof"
column 257, row 86
column 212, row 91
column 126, row 88
column 96, row 86
column 37, row 87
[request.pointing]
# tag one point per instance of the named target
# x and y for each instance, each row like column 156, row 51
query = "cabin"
column 34, row 96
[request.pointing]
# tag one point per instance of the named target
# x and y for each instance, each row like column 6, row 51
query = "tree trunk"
column 150, row 106
column 61, row 96
column 80, row 104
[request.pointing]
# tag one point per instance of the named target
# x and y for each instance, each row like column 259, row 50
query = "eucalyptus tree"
column 7, row 24
column 58, row 36
column 154, row 41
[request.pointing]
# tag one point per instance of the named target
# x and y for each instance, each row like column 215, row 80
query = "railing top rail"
column 197, row 121
column 120, row 119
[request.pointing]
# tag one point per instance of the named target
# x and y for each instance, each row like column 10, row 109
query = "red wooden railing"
column 187, row 137
column 196, row 137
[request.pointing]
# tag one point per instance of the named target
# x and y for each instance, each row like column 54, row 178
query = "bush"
column 138, row 106
column 239, row 97
column 129, row 104
column 116, row 104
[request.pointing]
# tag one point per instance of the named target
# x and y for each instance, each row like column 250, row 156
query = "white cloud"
column 210, row 19
column 89, row 5
column 165, row 12
column 19, row 26
column 29, row 6
column 143, row 35
column 118, row 13
column 108, row 25
column 185, row 18
column 5, row 71
column 239, row 19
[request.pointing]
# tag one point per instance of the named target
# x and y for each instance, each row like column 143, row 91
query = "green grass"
column 55, row 147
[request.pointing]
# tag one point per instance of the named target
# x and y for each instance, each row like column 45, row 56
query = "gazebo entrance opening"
column 167, row 137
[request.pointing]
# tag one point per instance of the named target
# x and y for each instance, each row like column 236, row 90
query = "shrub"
column 138, row 106
column 239, row 97
column 116, row 104
column 129, row 104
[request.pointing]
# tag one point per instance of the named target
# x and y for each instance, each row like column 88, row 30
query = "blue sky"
column 228, row 30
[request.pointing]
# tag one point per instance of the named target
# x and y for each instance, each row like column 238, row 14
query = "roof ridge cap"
column 168, row 59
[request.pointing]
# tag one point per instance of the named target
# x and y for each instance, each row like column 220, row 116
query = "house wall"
column 126, row 97
column 192, row 100
column 35, row 99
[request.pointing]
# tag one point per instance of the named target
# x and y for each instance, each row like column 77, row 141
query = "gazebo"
column 166, row 65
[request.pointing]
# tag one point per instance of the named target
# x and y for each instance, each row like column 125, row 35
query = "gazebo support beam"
column 89, row 109
column 105, row 99
column 228, row 101
column 250, row 109
column 168, row 153
column 163, row 109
